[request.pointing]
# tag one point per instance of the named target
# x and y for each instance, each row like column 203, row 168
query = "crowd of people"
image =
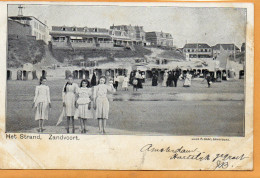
column 89, row 100
column 170, row 78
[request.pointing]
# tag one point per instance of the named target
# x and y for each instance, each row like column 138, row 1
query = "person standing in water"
column 101, row 103
column 42, row 102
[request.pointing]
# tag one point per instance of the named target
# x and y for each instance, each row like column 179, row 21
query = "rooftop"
column 25, row 18
column 225, row 46
column 196, row 45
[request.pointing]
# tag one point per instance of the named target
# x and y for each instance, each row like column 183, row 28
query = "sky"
column 211, row 25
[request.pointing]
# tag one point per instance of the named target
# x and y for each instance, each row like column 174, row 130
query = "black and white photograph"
column 127, row 86
column 173, row 71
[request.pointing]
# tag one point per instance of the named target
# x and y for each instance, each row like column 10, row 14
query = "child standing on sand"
column 101, row 103
column 69, row 101
column 83, row 111
column 42, row 102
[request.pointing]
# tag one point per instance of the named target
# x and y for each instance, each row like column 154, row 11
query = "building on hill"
column 19, row 30
column 85, row 37
column 37, row 28
column 120, row 38
column 80, row 37
column 136, row 34
column 230, row 48
column 159, row 39
column 197, row 50
column 130, row 30
column 140, row 34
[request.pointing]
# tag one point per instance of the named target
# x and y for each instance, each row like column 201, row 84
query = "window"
column 63, row 29
column 73, row 29
column 56, row 39
column 62, row 39
column 188, row 50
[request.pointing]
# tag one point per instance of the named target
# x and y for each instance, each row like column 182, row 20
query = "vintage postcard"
column 126, row 86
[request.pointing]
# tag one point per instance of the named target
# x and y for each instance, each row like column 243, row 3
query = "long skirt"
column 169, row 83
column 70, row 104
column 102, row 109
column 164, row 82
column 125, row 84
column 187, row 83
column 139, row 83
column 154, row 82
column 42, row 109
column 83, row 112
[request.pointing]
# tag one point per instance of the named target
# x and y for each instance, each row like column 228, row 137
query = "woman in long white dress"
column 125, row 83
column 165, row 78
column 42, row 102
column 187, row 80
column 69, row 101
column 83, row 111
column 101, row 103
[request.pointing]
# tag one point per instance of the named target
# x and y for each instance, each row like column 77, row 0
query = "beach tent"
column 9, row 75
column 28, row 67
column 67, row 74
column 34, row 75
column 27, row 71
column 75, row 74
column 25, row 74
column 19, row 75
column 12, row 74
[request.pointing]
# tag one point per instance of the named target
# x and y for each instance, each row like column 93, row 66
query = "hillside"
column 61, row 55
column 21, row 51
column 48, row 59
column 172, row 54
